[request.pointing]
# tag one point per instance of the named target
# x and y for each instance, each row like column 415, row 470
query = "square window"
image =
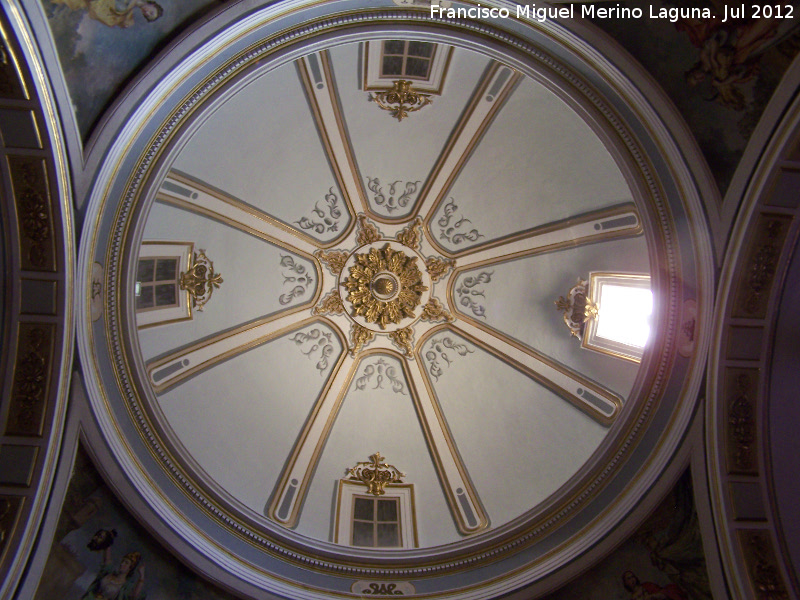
column 388, row 535
column 387, row 510
column 417, row 67
column 392, row 65
column 145, row 269
column 166, row 269
column 363, row 509
column 394, row 47
column 424, row 49
column 363, row 534
column 166, row 294
column 145, row 298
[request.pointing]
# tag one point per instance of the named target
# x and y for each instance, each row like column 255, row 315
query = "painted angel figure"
column 115, row 13
column 125, row 582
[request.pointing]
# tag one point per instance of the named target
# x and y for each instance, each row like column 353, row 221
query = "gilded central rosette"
column 384, row 286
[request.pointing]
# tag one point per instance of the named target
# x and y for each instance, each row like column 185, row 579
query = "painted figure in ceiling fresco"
column 115, row 13
column 729, row 54
column 650, row 591
column 123, row 583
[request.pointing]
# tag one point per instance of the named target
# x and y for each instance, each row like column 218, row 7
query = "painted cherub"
column 115, row 13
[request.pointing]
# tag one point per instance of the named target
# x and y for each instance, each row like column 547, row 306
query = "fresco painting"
column 664, row 559
column 719, row 75
column 100, row 551
column 102, row 43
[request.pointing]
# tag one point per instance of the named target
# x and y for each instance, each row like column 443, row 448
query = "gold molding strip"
column 202, row 199
column 479, row 114
column 327, row 113
column 618, row 221
column 602, row 405
column 290, row 491
column 31, row 193
column 174, row 368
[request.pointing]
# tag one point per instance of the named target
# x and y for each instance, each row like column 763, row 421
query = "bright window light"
column 623, row 321
column 624, row 314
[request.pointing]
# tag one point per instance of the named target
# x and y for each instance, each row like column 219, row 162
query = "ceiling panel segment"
column 263, row 147
column 394, row 158
column 254, row 429
column 259, row 279
column 517, row 298
column 539, row 161
column 378, row 415
column 500, row 417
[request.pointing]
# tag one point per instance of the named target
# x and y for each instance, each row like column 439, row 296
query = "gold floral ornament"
column 578, row 308
column 401, row 99
column 384, row 286
column 200, row 280
column 375, row 474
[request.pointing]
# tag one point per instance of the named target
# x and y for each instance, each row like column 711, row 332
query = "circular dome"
column 333, row 348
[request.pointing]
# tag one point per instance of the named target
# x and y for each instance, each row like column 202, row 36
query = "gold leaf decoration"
column 376, row 474
column 200, row 280
column 333, row 259
column 411, row 236
column 401, row 99
column 359, row 337
column 384, row 286
column 404, row 339
column 578, row 308
column 438, row 267
column 434, row 312
column 368, row 232
column 330, row 304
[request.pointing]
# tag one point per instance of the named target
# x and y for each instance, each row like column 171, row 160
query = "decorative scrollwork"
column 393, row 201
column 438, row 267
column 319, row 345
column 384, row 286
column 742, row 426
column 200, row 280
column 368, row 232
column 452, row 233
column 333, row 259
column 411, row 236
column 404, row 339
column 33, row 205
column 324, row 219
column 438, row 351
column 578, row 308
column 434, row 312
column 359, row 337
column 376, row 474
column 31, row 376
column 382, row 371
column 401, row 99
column 331, row 304
column 296, row 276
column 469, row 291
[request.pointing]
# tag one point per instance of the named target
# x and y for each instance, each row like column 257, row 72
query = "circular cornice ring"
column 519, row 535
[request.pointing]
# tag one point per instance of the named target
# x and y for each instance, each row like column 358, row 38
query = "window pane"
column 420, row 49
column 392, row 65
column 362, row 534
column 388, row 535
column 166, row 294
column 145, row 298
column 387, row 510
column 144, row 271
column 393, row 46
column 417, row 67
column 363, row 509
column 166, row 269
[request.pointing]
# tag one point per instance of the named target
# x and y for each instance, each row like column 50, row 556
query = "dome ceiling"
column 321, row 270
